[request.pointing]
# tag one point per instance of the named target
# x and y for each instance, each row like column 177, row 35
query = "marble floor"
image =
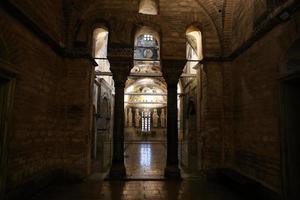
column 145, row 162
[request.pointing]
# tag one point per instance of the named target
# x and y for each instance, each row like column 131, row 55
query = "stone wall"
column 48, row 15
column 77, row 108
column 212, row 115
column 34, row 144
column 53, row 98
column 256, row 105
column 51, row 124
column 172, row 22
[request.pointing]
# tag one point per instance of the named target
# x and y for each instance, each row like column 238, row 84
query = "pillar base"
column 173, row 172
column 116, row 172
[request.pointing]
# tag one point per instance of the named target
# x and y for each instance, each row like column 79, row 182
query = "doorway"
column 145, row 106
column 5, row 110
column 291, row 130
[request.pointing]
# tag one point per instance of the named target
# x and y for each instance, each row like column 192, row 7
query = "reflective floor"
column 142, row 161
column 145, row 160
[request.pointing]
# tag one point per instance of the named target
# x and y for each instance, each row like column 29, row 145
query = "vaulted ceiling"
column 225, row 24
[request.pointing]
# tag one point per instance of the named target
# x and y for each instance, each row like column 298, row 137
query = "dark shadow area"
column 291, row 134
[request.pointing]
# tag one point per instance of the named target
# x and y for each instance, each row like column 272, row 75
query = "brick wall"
column 33, row 146
column 172, row 22
column 212, row 116
column 48, row 15
column 51, row 124
column 256, row 106
column 52, row 112
column 76, row 103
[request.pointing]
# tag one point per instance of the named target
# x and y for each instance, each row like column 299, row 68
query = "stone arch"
column 210, row 32
column 139, row 24
column 105, row 38
column 83, row 32
column 211, row 10
column 195, row 27
column 145, row 30
column 122, row 30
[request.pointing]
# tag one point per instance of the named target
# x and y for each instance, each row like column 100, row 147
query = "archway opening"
column 145, row 103
column 189, row 112
column 103, row 90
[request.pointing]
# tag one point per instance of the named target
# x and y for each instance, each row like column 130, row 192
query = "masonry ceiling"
column 224, row 24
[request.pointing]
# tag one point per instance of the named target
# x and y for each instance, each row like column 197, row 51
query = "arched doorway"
column 190, row 100
column 290, row 90
column 145, row 105
column 102, row 103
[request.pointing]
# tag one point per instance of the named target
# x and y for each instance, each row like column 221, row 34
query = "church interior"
column 149, row 99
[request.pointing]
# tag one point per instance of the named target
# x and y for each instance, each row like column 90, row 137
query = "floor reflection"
column 145, row 160
column 145, row 155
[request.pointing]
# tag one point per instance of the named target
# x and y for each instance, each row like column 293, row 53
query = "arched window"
column 193, row 49
column 100, row 42
column 148, row 7
column 146, row 51
column 146, row 45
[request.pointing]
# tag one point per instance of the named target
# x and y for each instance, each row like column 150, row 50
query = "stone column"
column 120, row 69
column 172, row 69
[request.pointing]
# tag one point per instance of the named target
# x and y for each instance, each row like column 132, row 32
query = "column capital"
column 172, row 69
column 120, row 68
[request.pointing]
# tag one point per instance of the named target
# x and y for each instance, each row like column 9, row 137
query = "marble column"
column 172, row 69
column 120, row 70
